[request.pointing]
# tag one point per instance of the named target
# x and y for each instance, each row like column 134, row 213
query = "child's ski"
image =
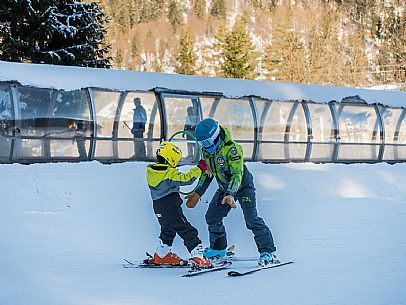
column 216, row 267
column 147, row 263
column 135, row 264
column 259, row 268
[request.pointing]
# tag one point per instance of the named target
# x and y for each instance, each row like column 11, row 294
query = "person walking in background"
column 235, row 183
column 138, row 129
column 164, row 180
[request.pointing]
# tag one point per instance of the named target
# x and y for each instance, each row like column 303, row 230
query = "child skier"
column 164, row 180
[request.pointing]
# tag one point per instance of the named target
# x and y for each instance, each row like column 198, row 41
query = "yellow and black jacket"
column 164, row 180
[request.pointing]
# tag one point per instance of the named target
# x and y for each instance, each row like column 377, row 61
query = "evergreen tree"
column 124, row 18
column 285, row 56
column 264, row 4
column 186, row 57
column 150, row 9
column 119, row 60
column 323, row 62
column 53, row 31
column 392, row 54
column 237, row 53
column 174, row 14
column 199, row 8
column 135, row 52
column 218, row 9
column 355, row 64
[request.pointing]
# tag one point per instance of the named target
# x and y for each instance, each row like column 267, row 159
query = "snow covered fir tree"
column 62, row 32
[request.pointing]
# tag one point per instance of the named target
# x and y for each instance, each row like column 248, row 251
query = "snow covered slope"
column 65, row 229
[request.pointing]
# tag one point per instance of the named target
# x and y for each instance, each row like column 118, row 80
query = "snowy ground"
column 65, row 229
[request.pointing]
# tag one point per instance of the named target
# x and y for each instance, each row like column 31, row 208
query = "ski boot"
column 198, row 259
column 267, row 258
column 169, row 259
column 164, row 256
column 214, row 254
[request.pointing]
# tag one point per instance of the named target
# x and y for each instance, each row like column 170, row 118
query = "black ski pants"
column 172, row 220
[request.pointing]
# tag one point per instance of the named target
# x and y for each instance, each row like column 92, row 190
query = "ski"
column 146, row 263
column 250, row 271
column 217, row 267
column 129, row 264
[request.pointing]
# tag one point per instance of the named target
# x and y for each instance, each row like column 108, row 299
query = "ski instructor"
column 235, row 183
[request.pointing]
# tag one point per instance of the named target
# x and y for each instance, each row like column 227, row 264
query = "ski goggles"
column 207, row 143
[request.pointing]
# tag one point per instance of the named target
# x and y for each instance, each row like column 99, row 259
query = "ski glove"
column 229, row 200
column 192, row 199
column 202, row 165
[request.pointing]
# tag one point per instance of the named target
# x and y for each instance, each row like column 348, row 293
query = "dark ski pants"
column 173, row 221
column 217, row 211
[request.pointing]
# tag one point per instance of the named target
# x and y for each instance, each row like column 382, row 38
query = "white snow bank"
column 70, row 78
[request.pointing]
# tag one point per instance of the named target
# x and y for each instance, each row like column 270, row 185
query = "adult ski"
column 220, row 266
column 259, row 268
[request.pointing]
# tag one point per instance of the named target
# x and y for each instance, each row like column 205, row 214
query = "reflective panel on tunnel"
column 283, row 132
column 323, row 139
column 359, row 132
column 139, row 121
column 237, row 116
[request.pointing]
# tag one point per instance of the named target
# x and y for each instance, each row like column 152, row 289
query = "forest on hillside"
column 330, row 42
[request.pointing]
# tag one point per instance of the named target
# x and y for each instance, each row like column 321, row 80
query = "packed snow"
column 66, row 228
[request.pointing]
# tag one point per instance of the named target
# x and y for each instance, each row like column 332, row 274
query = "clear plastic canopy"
column 45, row 124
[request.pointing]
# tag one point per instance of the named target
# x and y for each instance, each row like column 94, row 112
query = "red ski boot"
column 169, row 259
column 198, row 260
column 164, row 256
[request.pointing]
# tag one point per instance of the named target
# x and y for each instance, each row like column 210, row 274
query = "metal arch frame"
column 381, row 133
column 157, row 108
column 214, row 106
column 288, row 128
column 162, row 114
column 335, row 131
column 264, row 114
column 17, row 117
column 256, row 128
column 309, row 130
column 92, row 108
column 119, row 108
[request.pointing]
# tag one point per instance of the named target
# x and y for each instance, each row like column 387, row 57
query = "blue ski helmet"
column 207, row 133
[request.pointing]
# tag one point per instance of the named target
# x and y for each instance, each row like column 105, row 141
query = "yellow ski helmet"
column 170, row 152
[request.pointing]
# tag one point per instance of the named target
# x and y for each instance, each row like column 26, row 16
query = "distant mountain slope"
column 354, row 43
